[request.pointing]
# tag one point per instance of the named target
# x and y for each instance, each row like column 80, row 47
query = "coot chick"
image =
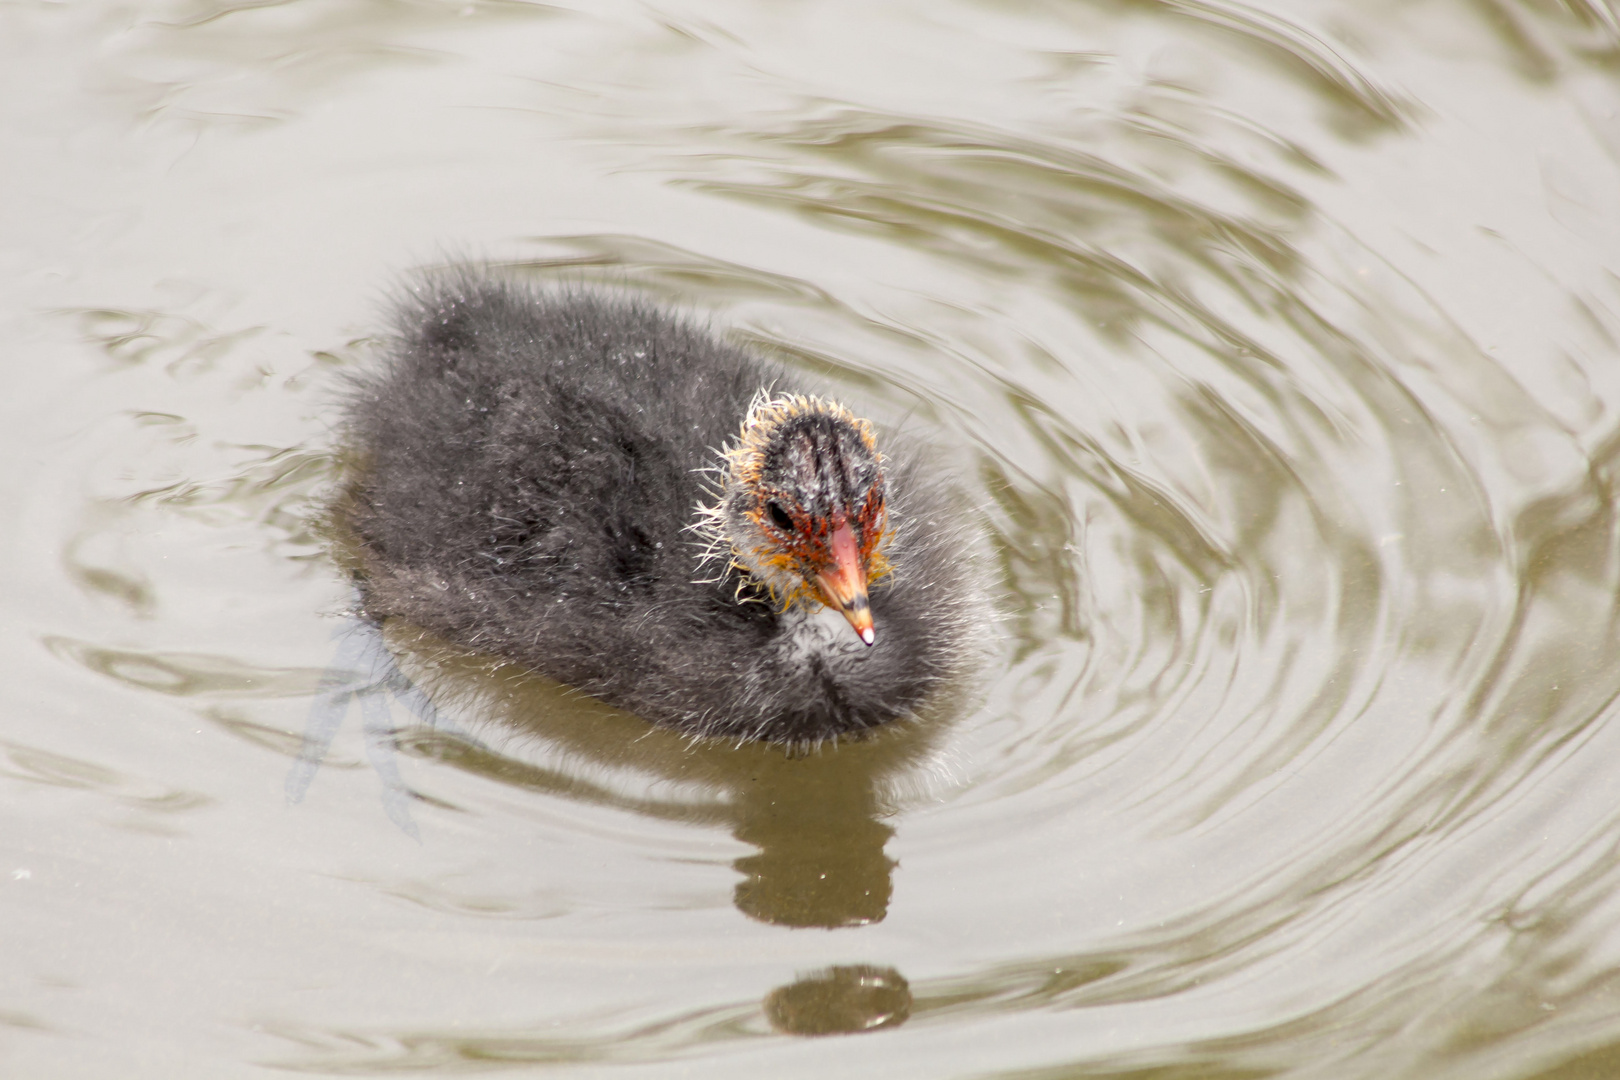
column 594, row 488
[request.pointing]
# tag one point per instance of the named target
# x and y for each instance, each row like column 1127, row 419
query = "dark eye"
column 779, row 516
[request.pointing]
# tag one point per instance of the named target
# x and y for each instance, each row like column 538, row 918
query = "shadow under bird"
column 624, row 503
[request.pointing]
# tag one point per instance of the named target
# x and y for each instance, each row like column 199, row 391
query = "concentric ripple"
column 1276, row 350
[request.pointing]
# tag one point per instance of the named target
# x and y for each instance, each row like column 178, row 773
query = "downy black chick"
column 622, row 502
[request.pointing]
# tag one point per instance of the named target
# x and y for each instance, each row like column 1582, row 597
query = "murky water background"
column 1282, row 350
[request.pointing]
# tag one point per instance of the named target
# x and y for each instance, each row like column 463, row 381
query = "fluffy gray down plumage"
column 526, row 469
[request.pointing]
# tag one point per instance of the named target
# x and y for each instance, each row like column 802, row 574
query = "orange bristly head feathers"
column 802, row 509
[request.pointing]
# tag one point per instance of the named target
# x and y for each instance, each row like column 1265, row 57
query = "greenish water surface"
column 1279, row 349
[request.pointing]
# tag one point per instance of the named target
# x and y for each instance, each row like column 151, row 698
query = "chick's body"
column 529, row 469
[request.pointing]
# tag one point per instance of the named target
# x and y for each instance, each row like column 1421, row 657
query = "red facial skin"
column 837, row 565
column 833, row 557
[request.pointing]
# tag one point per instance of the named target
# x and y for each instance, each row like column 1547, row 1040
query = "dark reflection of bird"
column 625, row 504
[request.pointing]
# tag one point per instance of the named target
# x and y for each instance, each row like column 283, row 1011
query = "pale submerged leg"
column 364, row 668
